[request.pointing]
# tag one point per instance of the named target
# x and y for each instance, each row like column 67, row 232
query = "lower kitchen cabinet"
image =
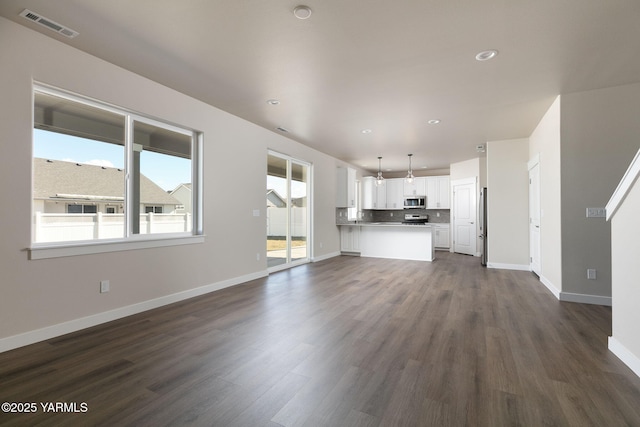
column 441, row 236
column 350, row 238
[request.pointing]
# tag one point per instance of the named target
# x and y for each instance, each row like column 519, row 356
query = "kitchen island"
column 396, row 241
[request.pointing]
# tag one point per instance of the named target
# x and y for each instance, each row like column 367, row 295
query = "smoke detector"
column 48, row 23
column 302, row 12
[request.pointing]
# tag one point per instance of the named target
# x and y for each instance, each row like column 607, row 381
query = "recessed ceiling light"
column 366, row 131
column 273, row 102
column 302, row 12
column 434, row 121
column 486, row 55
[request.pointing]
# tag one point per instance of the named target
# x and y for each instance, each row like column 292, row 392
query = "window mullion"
column 129, row 184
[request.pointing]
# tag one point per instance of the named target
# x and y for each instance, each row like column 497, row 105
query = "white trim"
column 535, row 160
column 325, row 256
column 501, row 266
column 627, row 181
column 626, row 356
column 98, row 247
column 53, row 331
column 550, row 286
column 585, row 299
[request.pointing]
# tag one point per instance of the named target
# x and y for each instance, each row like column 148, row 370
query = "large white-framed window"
column 105, row 178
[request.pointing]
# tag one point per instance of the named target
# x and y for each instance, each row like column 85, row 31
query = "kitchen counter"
column 395, row 240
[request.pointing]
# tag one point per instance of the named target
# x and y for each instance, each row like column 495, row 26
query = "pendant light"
column 409, row 177
column 380, row 178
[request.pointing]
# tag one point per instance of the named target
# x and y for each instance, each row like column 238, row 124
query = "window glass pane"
column 299, row 205
column 77, row 168
column 83, row 188
column 161, row 180
column 277, row 211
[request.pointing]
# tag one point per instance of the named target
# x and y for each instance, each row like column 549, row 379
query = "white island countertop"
column 396, row 240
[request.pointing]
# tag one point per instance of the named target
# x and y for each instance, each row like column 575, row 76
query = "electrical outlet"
column 391, row 213
column 256, row 212
column 591, row 273
column 104, row 286
column 257, row 256
column 320, row 245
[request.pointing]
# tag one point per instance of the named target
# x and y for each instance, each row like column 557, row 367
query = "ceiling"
column 388, row 66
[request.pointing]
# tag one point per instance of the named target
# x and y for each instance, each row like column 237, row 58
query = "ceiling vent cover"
column 46, row 22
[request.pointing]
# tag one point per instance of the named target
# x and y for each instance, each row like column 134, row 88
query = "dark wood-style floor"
column 343, row 342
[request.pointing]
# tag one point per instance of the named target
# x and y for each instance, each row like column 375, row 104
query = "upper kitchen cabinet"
column 395, row 193
column 438, row 192
column 346, row 191
column 418, row 187
column 373, row 196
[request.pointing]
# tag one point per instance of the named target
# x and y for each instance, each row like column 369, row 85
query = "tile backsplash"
column 371, row 215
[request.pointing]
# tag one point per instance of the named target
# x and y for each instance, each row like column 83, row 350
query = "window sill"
column 66, row 249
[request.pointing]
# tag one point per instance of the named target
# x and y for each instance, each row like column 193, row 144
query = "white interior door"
column 534, row 217
column 464, row 217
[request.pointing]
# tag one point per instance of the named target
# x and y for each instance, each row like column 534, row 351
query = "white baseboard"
column 53, row 331
column 501, row 266
column 325, row 256
column 585, row 299
column 627, row 357
column 550, row 286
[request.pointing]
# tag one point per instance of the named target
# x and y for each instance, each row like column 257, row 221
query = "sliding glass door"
column 287, row 211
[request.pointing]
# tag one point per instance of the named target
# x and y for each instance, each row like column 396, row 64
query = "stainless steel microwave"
column 415, row 202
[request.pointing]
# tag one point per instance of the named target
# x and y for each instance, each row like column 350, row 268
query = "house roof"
column 56, row 179
column 275, row 199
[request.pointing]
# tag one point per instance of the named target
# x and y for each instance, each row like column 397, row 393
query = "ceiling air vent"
column 46, row 22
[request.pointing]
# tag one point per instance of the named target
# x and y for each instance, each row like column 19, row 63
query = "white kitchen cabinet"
column 346, row 191
column 418, row 187
column 441, row 236
column 350, row 238
column 373, row 196
column 438, row 192
column 395, row 193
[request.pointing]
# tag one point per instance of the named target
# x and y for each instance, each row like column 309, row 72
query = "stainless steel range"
column 416, row 219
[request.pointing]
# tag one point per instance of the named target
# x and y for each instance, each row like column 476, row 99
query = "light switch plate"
column 596, row 212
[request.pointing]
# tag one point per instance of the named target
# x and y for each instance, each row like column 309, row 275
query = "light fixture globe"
column 379, row 178
column 409, row 177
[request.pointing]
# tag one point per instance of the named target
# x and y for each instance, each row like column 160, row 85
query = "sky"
column 166, row 171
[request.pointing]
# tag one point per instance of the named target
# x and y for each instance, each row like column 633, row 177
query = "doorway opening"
column 288, row 211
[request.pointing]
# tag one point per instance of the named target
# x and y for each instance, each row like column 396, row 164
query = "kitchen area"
column 395, row 218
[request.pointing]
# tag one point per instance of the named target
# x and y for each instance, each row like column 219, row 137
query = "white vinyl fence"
column 277, row 222
column 71, row 227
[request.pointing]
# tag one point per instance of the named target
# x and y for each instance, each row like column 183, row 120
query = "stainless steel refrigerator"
column 483, row 224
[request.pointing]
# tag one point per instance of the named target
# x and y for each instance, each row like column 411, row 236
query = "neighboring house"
column 275, row 200
column 299, row 202
column 183, row 193
column 66, row 187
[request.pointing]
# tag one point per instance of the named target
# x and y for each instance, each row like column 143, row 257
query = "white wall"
column 625, row 229
column 600, row 133
column 508, row 204
column 465, row 169
column 544, row 142
column 41, row 293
